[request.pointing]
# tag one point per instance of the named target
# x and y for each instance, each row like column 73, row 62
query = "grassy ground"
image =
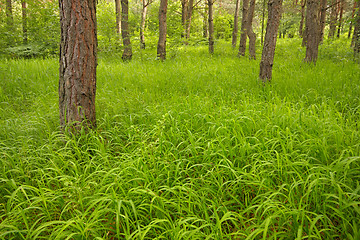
column 190, row 148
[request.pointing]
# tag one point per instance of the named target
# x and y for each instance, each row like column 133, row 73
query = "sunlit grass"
column 190, row 148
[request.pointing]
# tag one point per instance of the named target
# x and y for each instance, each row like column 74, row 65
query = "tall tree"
column 24, row 21
column 145, row 4
column 118, row 17
column 244, row 25
column 356, row 36
column 161, row 47
column 333, row 18
column 268, row 53
column 211, row 26
column 78, row 60
column 312, row 31
column 250, row 31
column 127, row 54
column 352, row 19
column 301, row 26
column 323, row 4
column 236, row 24
column 341, row 3
column 205, row 21
column 263, row 22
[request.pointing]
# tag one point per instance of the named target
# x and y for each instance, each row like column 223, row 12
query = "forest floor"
column 190, row 148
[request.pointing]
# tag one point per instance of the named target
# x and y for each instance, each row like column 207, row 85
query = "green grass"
column 190, row 148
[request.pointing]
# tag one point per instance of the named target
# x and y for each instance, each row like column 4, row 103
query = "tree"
column 323, row 4
column 118, row 17
column 161, row 47
column 263, row 21
column 352, row 17
column 268, row 53
column 301, row 26
column 24, row 21
column 145, row 5
column 236, row 24
column 127, row 54
column 244, row 25
column 9, row 20
column 211, row 26
column 333, row 18
column 78, row 60
column 340, row 17
column 356, row 36
column 250, row 31
column 312, row 31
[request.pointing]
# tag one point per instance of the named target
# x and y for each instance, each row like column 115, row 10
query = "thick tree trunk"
column 267, row 58
column 143, row 22
column 244, row 25
column 161, row 47
column 250, row 32
column 127, row 54
column 333, row 18
column 340, row 18
column 323, row 4
column 236, row 24
column 78, row 61
column 211, row 26
column 312, row 32
column 118, row 17
column 24, row 21
column 301, row 27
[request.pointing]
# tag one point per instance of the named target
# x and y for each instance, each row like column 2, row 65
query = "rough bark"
column 244, row 25
column 323, row 4
column 184, row 8
column 236, row 24
column 211, row 26
column 340, row 18
column 24, row 21
column 161, row 47
column 333, row 18
column 118, row 17
column 312, row 31
column 250, row 31
column 356, row 36
column 145, row 5
column 127, row 54
column 78, row 61
column 268, row 53
column 188, row 19
column 301, row 27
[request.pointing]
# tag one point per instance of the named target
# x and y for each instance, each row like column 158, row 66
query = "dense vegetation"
column 190, row 148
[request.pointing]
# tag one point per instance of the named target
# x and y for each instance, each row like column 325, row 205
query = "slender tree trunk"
column 143, row 22
column 333, row 18
column 206, row 22
column 250, row 32
column 263, row 22
column 161, row 47
column 24, row 21
column 78, row 61
column 184, row 8
column 340, row 18
column 352, row 19
column 268, row 53
column 301, row 27
column 211, row 27
column 236, row 24
column 312, row 32
column 322, row 19
column 188, row 19
column 356, row 36
column 127, row 54
column 118, row 17
column 244, row 25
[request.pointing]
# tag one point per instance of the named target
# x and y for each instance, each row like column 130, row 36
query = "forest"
column 183, row 119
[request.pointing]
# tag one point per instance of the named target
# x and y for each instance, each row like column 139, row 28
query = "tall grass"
column 190, row 148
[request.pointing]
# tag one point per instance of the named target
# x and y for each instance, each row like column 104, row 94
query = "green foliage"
column 223, row 26
column 190, row 148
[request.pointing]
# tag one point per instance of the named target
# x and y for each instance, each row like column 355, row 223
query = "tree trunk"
column 322, row 19
column 267, row 58
column 206, row 22
column 127, row 54
column 301, row 27
column 78, row 61
column 184, row 8
column 352, row 19
column 188, row 19
column 118, row 17
column 312, row 32
column 161, row 47
column 340, row 18
column 263, row 22
column 356, row 36
column 236, row 24
column 24, row 21
column 250, row 32
column 333, row 18
column 143, row 22
column 244, row 25
column 211, row 27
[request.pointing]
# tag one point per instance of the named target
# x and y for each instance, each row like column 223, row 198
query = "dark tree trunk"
column 143, row 22
column 322, row 19
column 333, row 18
column 352, row 19
column 356, row 36
column 161, row 47
column 127, row 54
column 78, row 61
column 118, row 17
column 211, row 27
column 236, row 24
column 301, row 27
column 250, row 32
column 24, row 21
column 268, row 53
column 244, row 26
column 340, row 18
column 312, row 31
column 263, row 22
